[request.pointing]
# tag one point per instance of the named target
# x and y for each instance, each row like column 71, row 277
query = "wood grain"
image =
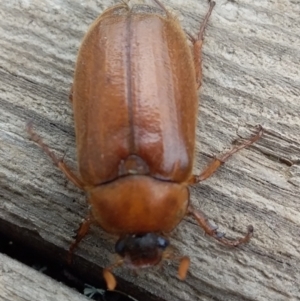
column 19, row 282
column 251, row 66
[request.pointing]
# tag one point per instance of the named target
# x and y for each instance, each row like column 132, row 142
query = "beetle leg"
column 162, row 7
column 81, row 233
column 216, row 163
column 197, row 45
column 212, row 231
column 71, row 94
column 58, row 162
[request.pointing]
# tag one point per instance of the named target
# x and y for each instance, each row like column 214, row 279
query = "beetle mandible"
column 135, row 105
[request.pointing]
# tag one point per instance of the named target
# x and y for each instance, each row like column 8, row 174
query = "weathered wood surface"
column 251, row 76
column 22, row 283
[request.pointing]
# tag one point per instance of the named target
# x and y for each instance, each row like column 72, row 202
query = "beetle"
column 135, row 104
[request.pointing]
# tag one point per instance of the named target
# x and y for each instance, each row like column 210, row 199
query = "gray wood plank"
column 19, row 282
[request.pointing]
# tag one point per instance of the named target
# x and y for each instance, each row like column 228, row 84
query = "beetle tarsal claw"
column 214, row 228
column 250, row 229
column 220, row 234
column 211, row 3
column 237, row 242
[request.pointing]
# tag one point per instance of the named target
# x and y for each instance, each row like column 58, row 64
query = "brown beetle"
column 135, row 108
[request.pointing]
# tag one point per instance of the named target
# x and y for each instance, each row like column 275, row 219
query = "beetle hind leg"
column 212, row 231
column 197, row 45
column 58, row 162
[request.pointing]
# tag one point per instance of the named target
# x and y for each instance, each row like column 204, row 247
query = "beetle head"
column 141, row 250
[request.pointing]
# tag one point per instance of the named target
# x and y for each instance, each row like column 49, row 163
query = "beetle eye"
column 162, row 242
column 120, row 246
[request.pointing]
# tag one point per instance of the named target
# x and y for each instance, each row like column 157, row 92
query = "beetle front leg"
column 212, row 231
column 58, row 162
column 216, row 163
column 81, row 233
column 197, row 45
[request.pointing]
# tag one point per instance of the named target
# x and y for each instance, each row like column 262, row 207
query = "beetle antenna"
column 183, row 267
column 109, row 277
column 184, row 263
